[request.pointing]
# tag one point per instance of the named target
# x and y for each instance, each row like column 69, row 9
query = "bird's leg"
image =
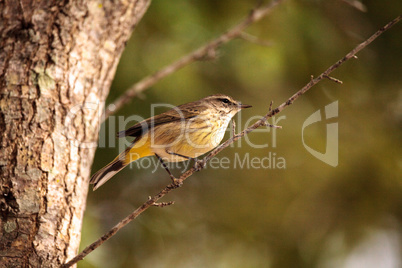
column 198, row 164
column 175, row 181
column 172, row 153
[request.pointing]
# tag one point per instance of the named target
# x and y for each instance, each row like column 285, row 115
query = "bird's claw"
column 199, row 164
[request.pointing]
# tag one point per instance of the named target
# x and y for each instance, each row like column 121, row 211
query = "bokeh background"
column 308, row 214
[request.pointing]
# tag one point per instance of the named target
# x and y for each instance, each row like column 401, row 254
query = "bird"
column 182, row 133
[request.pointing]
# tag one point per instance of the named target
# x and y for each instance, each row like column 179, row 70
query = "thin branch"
column 163, row 204
column 336, row 80
column 205, row 52
column 270, row 106
column 202, row 163
column 269, row 110
column 273, row 126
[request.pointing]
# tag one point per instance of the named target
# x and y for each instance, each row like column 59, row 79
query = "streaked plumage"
column 186, row 131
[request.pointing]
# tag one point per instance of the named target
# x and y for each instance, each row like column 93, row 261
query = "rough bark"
column 57, row 61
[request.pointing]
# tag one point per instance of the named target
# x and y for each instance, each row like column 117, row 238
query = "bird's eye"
column 225, row 100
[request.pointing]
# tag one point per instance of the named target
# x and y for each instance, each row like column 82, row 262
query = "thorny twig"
column 163, row 204
column 269, row 110
column 336, row 80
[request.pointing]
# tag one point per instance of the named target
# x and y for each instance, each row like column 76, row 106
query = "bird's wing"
column 182, row 112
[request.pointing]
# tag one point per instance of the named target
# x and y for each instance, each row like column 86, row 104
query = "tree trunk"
column 57, row 61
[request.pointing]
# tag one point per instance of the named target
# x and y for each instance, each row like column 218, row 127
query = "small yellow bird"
column 182, row 133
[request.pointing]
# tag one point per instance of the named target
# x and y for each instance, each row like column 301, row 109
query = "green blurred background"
column 308, row 214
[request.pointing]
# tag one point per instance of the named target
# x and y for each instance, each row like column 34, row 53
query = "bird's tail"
column 132, row 153
column 104, row 174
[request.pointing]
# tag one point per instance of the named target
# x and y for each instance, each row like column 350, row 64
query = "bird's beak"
column 244, row 106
